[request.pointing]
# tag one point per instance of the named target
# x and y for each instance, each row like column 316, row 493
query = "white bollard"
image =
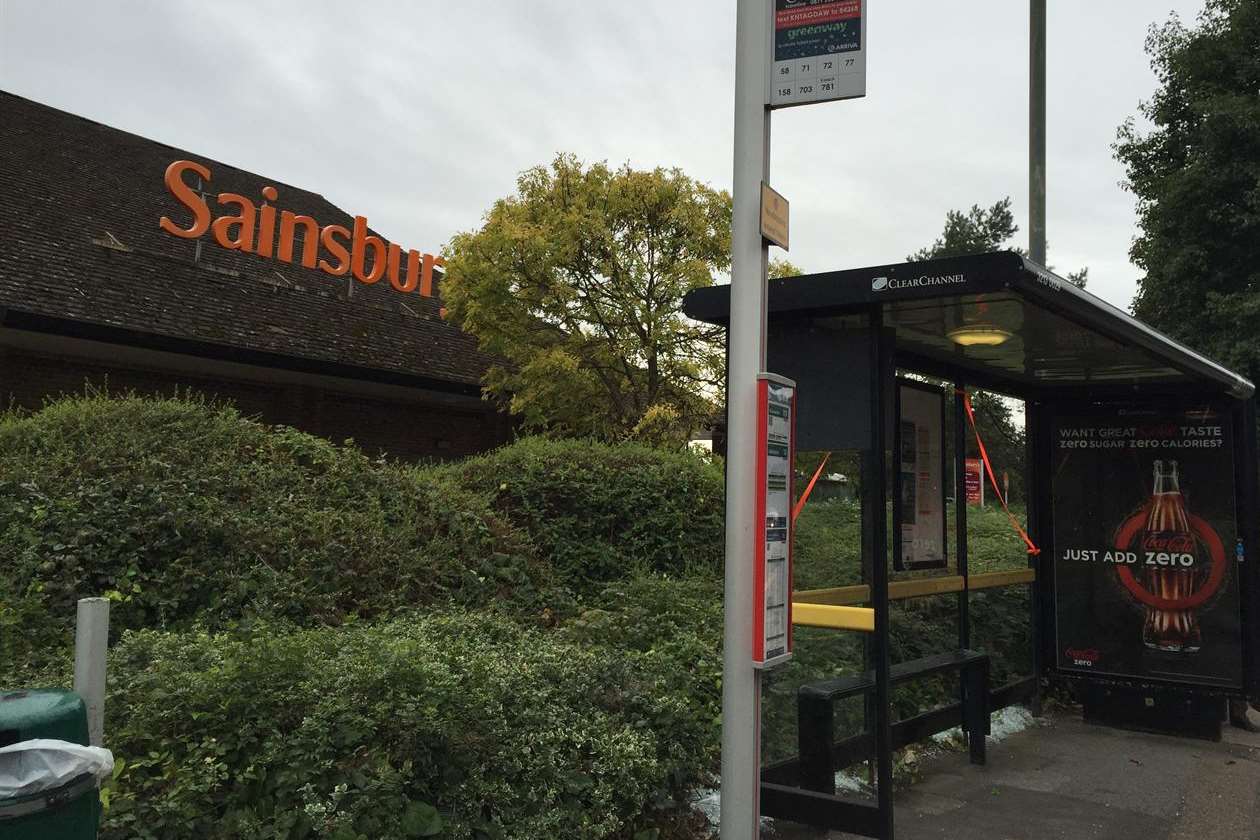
column 91, row 640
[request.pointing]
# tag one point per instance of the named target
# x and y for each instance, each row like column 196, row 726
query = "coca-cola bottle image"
column 1170, row 558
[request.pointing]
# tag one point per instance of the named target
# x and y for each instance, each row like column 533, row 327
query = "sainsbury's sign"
column 333, row 249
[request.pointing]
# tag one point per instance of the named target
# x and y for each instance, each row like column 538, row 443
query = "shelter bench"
column 815, row 710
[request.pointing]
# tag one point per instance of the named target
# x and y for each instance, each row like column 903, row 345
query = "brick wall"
column 400, row 429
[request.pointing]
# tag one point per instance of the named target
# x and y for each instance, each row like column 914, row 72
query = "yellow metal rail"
column 837, row 618
column 914, row 588
column 836, row 595
column 899, row 590
column 988, row 580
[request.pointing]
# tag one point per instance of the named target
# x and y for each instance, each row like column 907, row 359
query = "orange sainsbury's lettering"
column 222, row 227
column 266, row 223
column 244, row 226
column 187, row 197
column 310, row 247
column 426, row 278
column 328, row 237
column 395, row 259
column 358, row 253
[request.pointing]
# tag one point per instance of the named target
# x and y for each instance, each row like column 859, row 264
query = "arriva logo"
column 879, row 284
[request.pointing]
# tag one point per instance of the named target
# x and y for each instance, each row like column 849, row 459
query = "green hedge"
column 465, row 724
column 588, row 701
column 673, row 628
column 181, row 509
column 601, row 512
column 219, row 724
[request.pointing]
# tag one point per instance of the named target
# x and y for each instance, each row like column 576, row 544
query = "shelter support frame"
column 866, row 608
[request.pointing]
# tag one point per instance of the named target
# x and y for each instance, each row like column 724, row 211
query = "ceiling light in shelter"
column 979, row 335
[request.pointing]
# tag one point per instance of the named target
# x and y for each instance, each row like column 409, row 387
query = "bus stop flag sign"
column 818, row 51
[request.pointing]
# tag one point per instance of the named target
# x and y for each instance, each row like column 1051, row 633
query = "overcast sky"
column 420, row 114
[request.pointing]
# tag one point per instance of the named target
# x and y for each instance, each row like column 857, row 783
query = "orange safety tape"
column 809, row 488
column 984, row 456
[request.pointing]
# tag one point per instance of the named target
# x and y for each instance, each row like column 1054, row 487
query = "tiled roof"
column 73, row 190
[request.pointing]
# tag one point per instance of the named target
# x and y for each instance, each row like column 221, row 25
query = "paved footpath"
column 1070, row 780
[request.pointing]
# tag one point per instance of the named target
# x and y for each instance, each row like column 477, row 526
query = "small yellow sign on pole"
column 774, row 217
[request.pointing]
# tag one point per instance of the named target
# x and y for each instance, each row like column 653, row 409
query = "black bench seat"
column 816, row 710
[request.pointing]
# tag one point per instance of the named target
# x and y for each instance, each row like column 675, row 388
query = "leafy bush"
column 1001, row 625
column 827, row 544
column 673, row 630
column 180, row 509
column 465, row 724
column 36, row 649
column 602, row 512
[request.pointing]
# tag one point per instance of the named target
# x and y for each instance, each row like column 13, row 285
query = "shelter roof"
column 1060, row 336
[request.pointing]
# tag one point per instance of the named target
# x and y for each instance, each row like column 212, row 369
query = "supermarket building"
column 282, row 303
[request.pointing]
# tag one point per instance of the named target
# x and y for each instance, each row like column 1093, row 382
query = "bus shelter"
column 1140, row 487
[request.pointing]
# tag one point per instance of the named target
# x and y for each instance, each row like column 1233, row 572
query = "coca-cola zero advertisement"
column 1144, row 542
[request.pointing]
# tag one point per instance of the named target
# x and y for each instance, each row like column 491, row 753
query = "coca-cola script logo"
column 1183, row 543
column 1087, row 656
column 1127, row 534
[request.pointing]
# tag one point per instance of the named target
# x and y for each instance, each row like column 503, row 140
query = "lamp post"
column 1037, row 131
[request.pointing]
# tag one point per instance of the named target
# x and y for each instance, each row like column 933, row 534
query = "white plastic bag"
column 41, row 764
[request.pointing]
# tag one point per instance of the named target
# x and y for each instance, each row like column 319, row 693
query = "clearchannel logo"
column 882, row 284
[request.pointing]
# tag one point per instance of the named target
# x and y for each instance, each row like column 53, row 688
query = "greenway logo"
column 880, row 284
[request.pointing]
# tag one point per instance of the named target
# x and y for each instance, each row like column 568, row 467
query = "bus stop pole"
column 741, row 683
column 1037, row 131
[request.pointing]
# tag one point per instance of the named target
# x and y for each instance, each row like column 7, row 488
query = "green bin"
column 42, row 713
column 69, row 812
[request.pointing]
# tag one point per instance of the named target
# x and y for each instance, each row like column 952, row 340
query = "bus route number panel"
column 818, row 50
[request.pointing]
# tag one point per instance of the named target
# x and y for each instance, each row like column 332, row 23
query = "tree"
column 576, row 283
column 1195, row 175
column 780, row 267
column 978, row 231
